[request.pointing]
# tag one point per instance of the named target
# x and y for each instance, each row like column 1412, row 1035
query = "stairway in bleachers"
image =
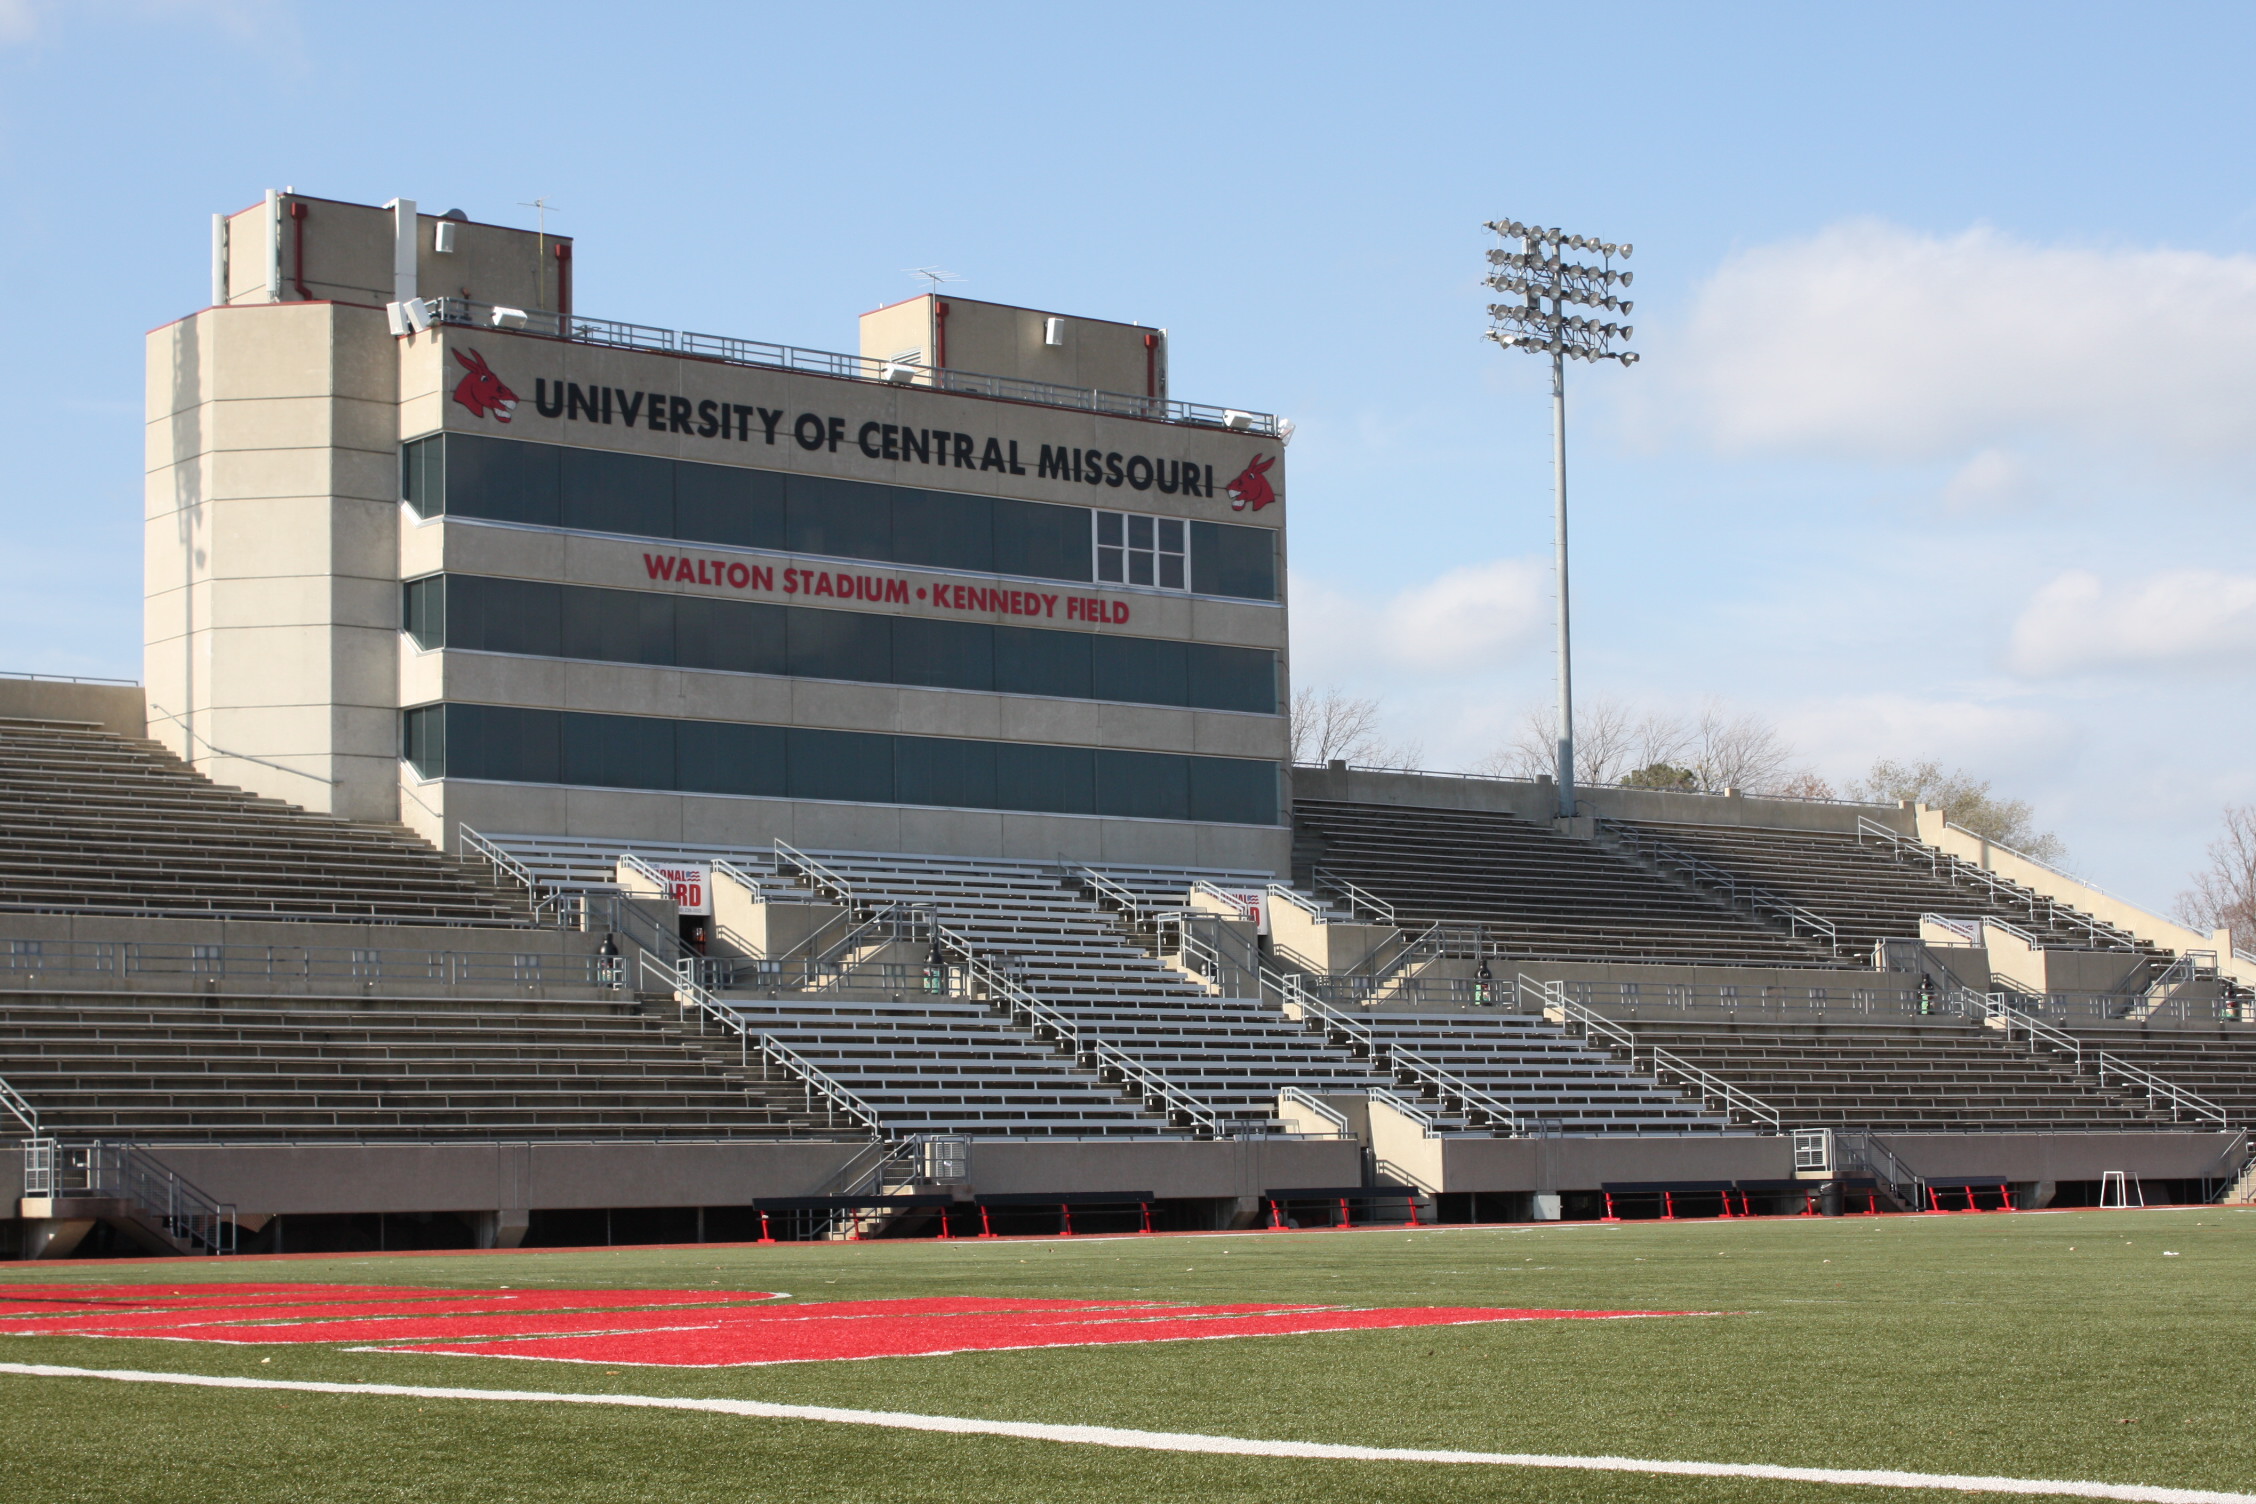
column 1556, row 1084
column 1541, row 895
column 96, row 823
column 1903, row 1078
column 2216, row 1063
column 169, row 1069
column 1868, row 892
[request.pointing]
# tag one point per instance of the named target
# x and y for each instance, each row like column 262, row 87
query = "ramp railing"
column 2106, row 1066
column 751, row 1041
column 1733, row 889
column 18, row 1108
column 1180, row 1107
column 1657, row 1062
column 1452, row 1092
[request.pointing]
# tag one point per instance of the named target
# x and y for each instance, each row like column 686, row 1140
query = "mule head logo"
column 1251, row 488
column 482, row 391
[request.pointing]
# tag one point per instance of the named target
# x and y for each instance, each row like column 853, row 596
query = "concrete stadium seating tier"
column 1936, row 1078
column 1868, row 891
column 102, row 823
column 1541, row 895
column 157, row 1069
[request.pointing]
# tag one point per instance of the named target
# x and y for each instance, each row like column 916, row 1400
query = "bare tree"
column 1966, row 801
column 2223, row 895
column 1611, row 743
column 1743, row 752
column 1328, row 723
column 1803, row 785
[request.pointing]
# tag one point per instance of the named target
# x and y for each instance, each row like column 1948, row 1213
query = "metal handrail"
column 1299, row 900
column 820, row 875
column 1324, row 877
column 1397, row 1058
column 1707, row 1083
column 1317, row 1107
column 1969, row 930
column 186, row 1213
column 1942, row 864
column 1732, row 887
column 1862, row 1149
column 365, row 967
column 729, row 350
column 1429, row 1125
column 19, row 1108
column 1023, row 1004
column 687, row 991
column 2103, row 1064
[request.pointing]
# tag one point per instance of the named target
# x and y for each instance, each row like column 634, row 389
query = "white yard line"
column 1177, row 1441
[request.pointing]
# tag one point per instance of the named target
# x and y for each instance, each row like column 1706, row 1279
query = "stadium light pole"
column 1538, row 272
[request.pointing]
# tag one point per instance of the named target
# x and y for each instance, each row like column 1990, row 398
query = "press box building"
column 426, row 545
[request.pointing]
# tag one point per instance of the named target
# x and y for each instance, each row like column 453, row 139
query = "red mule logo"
column 1251, row 488
column 482, row 391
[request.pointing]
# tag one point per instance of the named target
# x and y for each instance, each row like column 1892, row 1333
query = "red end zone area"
column 681, row 1328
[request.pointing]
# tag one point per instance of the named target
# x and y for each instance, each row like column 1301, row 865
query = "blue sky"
column 1940, row 448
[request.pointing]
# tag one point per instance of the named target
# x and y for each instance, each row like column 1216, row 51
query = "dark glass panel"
column 1143, row 785
column 1033, row 661
column 1230, row 560
column 501, row 480
column 744, row 637
column 423, row 740
column 839, row 644
column 943, row 530
column 1232, row 678
column 1141, row 670
column 605, row 492
column 505, row 743
column 943, row 654
column 945, row 771
column 423, row 610
column 841, row 518
column 729, row 504
column 713, row 758
column 853, row 765
column 1042, row 540
column 1052, row 780
column 503, row 616
column 618, row 751
column 1235, row 790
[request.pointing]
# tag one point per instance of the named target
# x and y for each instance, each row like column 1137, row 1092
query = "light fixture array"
column 1548, row 284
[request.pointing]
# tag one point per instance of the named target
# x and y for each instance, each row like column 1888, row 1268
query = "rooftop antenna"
column 540, row 207
column 933, row 276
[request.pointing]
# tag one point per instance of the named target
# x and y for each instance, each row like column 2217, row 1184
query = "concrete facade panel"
column 271, row 350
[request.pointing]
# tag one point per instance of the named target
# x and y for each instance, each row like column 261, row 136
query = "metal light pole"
column 1536, row 271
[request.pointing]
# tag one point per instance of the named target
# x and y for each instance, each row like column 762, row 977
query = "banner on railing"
column 1253, row 903
column 691, row 888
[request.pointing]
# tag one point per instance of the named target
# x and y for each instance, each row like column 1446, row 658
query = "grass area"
column 2056, row 1346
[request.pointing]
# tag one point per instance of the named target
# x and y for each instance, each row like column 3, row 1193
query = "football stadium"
column 682, row 861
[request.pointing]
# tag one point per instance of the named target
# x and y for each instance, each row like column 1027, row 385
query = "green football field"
column 2099, row 1347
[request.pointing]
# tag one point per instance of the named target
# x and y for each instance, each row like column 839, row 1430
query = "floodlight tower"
column 1537, row 272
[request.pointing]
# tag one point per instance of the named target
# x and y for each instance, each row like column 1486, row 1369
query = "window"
column 549, row 485
column 506, row 744
column 540, row 619
column 1133, row 549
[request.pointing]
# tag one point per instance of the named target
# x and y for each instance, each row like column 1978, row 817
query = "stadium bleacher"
column 1538, row 894
column 198, row 1068
column 96, row 823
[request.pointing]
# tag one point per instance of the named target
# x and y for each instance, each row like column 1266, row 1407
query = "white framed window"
column 1134, row 549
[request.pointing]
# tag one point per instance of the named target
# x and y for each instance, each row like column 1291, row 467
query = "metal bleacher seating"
column 1876, row 890
column 156, row 1068
column 1931, row 1077
column 100, row 823
column 1555, row 1084
column 1539, row 895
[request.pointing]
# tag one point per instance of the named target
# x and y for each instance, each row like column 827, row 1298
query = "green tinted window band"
column 508, row 744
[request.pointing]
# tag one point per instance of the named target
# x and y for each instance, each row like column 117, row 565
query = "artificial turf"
column 2109, row 1346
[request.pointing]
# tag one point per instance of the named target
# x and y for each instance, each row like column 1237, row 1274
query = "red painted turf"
column 686, row 1328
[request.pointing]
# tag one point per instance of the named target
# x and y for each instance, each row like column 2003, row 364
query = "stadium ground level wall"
column 355, row 1197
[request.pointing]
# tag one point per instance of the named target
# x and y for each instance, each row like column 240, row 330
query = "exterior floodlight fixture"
column 1543, row 284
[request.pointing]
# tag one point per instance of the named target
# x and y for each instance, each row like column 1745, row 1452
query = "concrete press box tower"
column 425, row 544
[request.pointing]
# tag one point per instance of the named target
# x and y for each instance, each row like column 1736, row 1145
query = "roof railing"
column 730, row 350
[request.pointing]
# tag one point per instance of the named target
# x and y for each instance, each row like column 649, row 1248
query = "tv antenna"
column 933, row 276
column 540, row 207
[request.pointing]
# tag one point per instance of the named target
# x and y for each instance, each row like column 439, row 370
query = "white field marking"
column 1179, row 1441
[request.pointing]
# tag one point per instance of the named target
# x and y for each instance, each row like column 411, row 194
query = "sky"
column 1940, row 446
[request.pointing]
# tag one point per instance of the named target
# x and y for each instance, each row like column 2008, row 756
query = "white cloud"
column 1843, row 736
column 2180, row 617
column 1869, row 341
column 19, row 21
column 1466, row 620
